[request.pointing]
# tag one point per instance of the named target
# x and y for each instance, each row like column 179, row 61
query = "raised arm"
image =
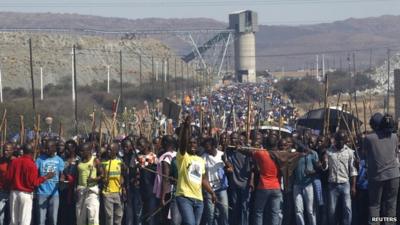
column 184, row 136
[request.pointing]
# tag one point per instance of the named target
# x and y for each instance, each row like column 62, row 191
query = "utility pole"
column 75, row 88
column 184, row 81
column 370, row 59
column 354, row 73
column 140, row 71
column 41, row 83
column 1, row 88
column 175, row 84
column 317, row 67
column 388, row 79
column 167, row 75
column 120, row 79
column 187, row 77
column 108, row 79
column 32, row 80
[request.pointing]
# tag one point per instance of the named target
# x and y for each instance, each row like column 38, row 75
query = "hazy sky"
column 290, row 12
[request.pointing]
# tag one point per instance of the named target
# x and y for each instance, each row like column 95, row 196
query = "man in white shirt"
column 215, row 169
column 341, row 177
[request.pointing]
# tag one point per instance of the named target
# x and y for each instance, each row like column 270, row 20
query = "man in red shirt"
column 4, row 189
column 268, row 195
column 23, row 178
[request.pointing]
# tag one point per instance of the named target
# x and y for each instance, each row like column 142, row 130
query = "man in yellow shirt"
column 191, row 178
column 113, row 187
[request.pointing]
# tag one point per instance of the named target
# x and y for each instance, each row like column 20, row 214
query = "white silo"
column 245, row 25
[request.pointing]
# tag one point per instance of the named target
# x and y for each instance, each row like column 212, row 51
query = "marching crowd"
column 207, row 179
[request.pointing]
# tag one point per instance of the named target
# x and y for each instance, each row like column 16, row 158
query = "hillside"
column 291, row 47
column 52, row 52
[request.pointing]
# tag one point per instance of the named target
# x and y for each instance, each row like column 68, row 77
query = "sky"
column 270, row 12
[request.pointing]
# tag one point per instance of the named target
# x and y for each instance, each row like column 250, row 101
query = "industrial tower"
column 244, row 23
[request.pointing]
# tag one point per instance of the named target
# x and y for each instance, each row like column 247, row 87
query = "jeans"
column 176, row 218
column 47, row 207
column 268, row 201
column 322, row 215
column 113, row 208
column 150, row 204
column 304, row 199
column 137, row 206
column 239, row 199
column 221, row 206
column 288, row 208
column 3, row 206
column 384, row 192
column 190, row 209
column 342, row 192
column 360, row 208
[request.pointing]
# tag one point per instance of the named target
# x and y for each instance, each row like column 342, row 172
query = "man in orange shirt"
column 268, row 194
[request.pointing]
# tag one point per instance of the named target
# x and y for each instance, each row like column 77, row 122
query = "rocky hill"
column 52, row 52
column 289, row 47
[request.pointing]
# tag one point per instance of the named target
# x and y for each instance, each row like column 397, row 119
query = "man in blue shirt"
column 303, row 190
column 47, row 192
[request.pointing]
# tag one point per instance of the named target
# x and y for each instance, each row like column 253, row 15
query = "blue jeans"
column 304, row 200
column 239, row 199
column 268, row 201
column 47, row 207
column 176, row 218
column 3, row 205
column 190, row 209
column 221, row 207
column 136, row 206
column 342, row 192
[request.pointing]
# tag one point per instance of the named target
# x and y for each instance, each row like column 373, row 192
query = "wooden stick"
column 365, row 116
column 21, row 130
column 337, row 110
column 100, row 128
column 61, row 130
column 326, row 104
column 37, row 136
column 328, row 120
column 114, row 119
column 358, row 128
column 1, row 128
column 248, row 118
column 5, row 130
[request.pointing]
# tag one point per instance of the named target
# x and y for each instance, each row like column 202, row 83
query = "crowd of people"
column 208, row 178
